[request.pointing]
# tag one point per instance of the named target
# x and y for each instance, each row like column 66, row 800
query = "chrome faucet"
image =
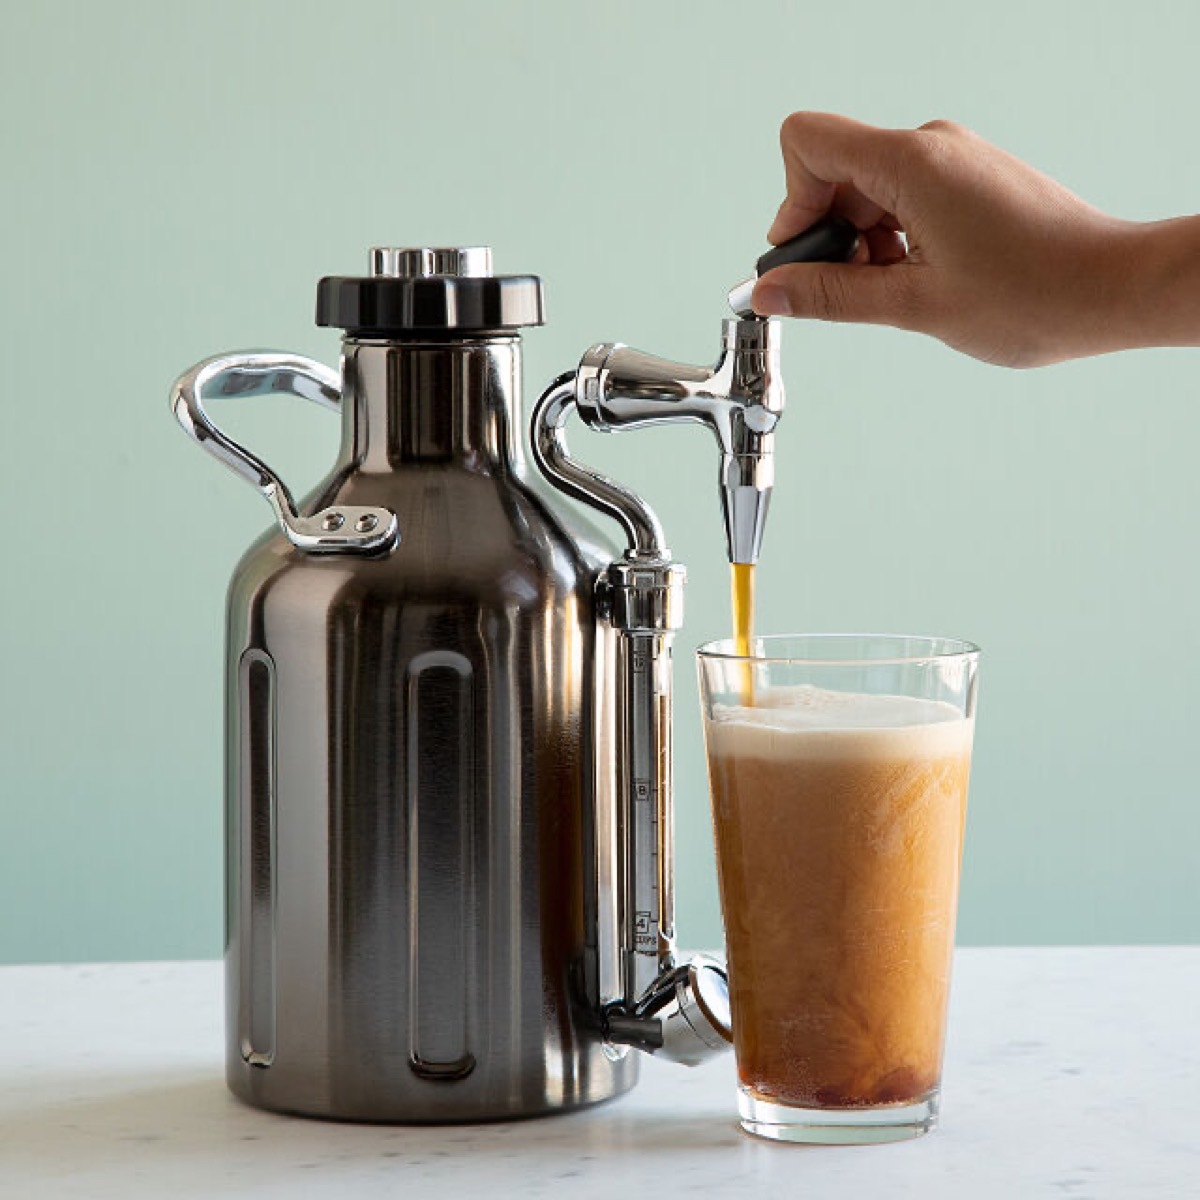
column 680, row 1011
column 740, row 399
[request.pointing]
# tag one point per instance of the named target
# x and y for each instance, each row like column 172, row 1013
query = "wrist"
column 1155, row 285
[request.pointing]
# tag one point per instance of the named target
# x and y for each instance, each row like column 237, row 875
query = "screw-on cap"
column 427, row 290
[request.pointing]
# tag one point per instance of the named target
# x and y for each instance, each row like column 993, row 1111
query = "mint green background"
column 177, row 176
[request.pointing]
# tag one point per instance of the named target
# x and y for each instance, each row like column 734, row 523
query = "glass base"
column 837, row 1126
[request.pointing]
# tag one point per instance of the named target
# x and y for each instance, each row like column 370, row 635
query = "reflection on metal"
column 256, row 854
column 437, row 722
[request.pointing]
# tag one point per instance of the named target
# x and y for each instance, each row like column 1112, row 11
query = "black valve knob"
column 831, row 239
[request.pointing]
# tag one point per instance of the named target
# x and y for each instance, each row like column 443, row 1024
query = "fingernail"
column 770, row 300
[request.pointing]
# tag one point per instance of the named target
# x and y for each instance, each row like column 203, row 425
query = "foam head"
column 808, row 722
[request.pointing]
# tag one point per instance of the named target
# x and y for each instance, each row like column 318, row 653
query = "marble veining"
column 1072, row 1073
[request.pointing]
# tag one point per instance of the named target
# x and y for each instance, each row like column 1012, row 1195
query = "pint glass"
column 838, row 765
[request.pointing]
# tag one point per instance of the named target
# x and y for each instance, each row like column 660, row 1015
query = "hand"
column 1001, row 262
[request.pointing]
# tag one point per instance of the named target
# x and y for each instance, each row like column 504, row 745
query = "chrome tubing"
column 550, row 452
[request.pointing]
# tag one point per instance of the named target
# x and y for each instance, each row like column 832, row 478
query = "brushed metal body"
column 420, row 785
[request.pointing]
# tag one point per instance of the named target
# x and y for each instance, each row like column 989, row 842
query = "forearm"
column 1159, row 304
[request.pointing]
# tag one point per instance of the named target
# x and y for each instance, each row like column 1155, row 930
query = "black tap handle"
column 831, row 239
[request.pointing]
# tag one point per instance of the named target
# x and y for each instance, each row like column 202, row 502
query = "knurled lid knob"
column 416, row 262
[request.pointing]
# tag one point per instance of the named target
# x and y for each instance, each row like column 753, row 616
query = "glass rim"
column 938, row 649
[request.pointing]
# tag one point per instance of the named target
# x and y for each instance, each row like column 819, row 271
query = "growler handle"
column 340, row 529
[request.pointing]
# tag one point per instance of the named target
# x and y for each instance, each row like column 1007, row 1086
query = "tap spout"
column 740, row 399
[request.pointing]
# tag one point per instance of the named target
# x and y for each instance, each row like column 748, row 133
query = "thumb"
column 863, row 293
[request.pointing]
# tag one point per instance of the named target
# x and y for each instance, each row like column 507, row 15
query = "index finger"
column 823, row 150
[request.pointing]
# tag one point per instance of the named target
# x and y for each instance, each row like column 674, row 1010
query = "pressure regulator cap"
column 413, row 291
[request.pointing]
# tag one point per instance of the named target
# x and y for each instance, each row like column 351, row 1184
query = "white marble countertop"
column 1071, row 1073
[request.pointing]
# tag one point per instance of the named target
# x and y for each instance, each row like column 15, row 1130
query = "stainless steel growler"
column 448, row 805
